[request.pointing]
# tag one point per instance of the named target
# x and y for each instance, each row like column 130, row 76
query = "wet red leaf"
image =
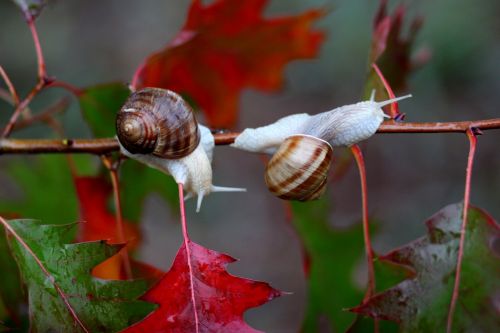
column 216, row 302
column 99, row 223
column 225, row 47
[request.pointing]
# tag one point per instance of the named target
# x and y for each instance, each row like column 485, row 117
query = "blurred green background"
column 409, row 176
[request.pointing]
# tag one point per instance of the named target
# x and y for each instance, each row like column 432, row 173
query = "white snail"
column 299, row 168
column 157, row 127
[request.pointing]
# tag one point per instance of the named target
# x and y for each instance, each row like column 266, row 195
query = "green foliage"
column 330, row 282
column 47, row 190
column 102, row 305
column 100, row 104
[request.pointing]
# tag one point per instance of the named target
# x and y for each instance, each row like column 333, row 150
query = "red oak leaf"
column 393, row 52
column 215, row 303
column 93, row 196
column 225, row 47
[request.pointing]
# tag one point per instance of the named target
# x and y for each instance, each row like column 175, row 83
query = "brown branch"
column 109, row 145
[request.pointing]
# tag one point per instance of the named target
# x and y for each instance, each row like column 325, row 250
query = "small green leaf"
column 100, row 104
column 102, row 305
column 421, row 303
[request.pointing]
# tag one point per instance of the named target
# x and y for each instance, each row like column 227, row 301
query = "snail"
column 299, row 168
column 289, row 139
column 157, row 127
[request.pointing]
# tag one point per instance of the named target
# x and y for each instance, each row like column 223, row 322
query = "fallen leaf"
column 101, row 305
column 420, row 304
column 220, row 299
column 227, row 46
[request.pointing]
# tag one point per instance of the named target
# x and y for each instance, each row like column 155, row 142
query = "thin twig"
column 120, row 228
column 67, row 86
column 45, row 272
column 108, row 145
column 10, row 86
column 10, row 125
column 471, row 135
column 44, row 116
column 42, row 80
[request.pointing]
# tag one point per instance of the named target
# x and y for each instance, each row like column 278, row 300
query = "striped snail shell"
column 158, row 122
column 299, row 168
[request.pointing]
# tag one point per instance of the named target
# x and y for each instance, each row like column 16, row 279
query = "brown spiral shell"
column 159, row 122
column 299, row 168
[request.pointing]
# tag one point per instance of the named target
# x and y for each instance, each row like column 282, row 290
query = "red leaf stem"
column 67, row 86
column 120, row 228
column 471, row 135
column 46, row 272
column 188, row 254
column 38, row 48
column 394, row 110
column 358, row 156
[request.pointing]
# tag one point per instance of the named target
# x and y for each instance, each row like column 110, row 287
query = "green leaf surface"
column 31, row 8
column 331, row 282
column 47, row 189
column 137, row 181
column 99, row 105
column 421, row 303
column 102, row 305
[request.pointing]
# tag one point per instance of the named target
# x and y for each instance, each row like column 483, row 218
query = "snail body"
column 342, row 126
column 302, row 145
column 158, row 128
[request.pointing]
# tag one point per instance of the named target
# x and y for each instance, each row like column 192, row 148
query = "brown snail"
column 342, row 126
column 299, row 168
column 157, row 127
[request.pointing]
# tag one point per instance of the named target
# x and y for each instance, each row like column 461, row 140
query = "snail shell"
column 158, row 122
column 299, row 168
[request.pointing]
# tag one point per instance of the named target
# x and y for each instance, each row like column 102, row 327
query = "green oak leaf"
column 102, row 305
column 421, row 304
column 99, row 105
